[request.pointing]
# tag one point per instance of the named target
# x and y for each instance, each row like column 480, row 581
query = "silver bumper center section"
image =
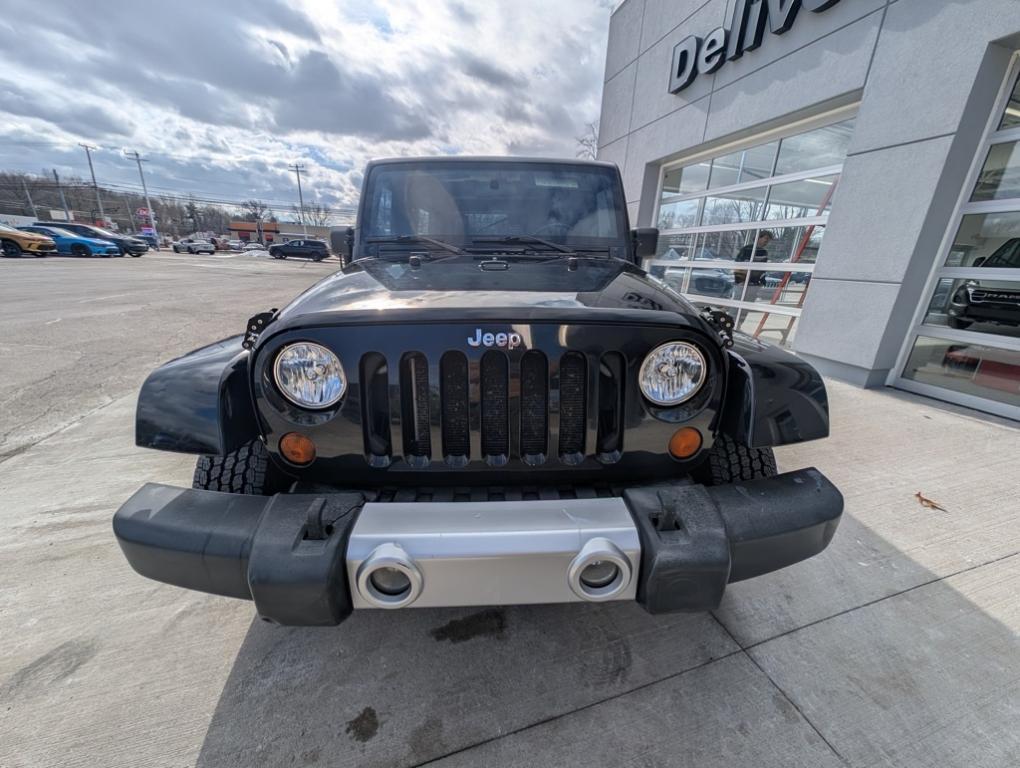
column 492, row 553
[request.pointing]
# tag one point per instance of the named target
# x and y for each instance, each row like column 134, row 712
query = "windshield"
column 463, row 202
column 1006, row 257
column 103, row 232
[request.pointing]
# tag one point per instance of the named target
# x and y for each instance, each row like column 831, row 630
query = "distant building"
column 248, row 231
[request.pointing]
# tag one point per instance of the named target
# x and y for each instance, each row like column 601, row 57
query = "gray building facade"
column 841, row 175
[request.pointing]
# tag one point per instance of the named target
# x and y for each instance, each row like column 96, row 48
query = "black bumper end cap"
column 285, row 552
column 695, row 539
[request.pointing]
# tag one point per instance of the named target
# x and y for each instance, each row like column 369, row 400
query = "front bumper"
column 306, row 559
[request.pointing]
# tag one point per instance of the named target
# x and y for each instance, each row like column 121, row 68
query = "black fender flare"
column 199, row 403
column 772, row 397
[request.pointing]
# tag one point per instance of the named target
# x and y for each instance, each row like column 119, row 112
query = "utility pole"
column 301, row 199
column 99, row 200
column 29, row 196
column 145, row 190
column 60, row 189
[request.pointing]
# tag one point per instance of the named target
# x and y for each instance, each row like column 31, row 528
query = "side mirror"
column 646, row 241
column 343, row 244
column 979, row 261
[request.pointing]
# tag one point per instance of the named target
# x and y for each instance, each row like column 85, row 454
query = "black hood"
column 457, row 288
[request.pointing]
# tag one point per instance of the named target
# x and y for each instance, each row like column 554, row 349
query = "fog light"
column 685, row 443
column 297, row 449
column 599, row 573
column 390, row 581
column 389, row 578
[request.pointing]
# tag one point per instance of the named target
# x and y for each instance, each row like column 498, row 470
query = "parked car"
column 74, row 244
column 535, row 421
column 189, row 245
column 236, row 245
column 989, row 301
column 15, row 242
column 253, row 247
column 125, row 244
column 316, row 250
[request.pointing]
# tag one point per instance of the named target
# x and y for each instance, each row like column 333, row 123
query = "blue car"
column 73, row 244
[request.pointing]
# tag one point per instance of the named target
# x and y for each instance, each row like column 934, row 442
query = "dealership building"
column 843, row 176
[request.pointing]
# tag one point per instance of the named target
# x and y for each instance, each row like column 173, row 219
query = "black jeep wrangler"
column 490, row 403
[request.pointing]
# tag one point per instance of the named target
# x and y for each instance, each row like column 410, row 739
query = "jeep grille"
column 494, row 409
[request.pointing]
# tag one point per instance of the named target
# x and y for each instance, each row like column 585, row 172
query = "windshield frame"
column 619, row 245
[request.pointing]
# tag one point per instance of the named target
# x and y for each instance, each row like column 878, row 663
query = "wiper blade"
column 524, row 239
column 417, row 240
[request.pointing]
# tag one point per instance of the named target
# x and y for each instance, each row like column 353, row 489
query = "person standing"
column 757, row 253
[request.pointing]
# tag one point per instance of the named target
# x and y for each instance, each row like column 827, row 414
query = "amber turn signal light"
column 297, row 449
column 685, row 442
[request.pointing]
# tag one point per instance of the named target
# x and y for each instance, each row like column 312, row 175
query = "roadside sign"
column 142, row 213
column 148, row 231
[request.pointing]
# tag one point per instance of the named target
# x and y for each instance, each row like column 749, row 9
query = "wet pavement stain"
column 487, row 623
column 364, row 726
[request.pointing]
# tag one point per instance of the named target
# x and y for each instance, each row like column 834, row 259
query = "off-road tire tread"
column 242, row 471
column 730, row 462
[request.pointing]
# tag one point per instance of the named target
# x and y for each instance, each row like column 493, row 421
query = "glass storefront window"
column 767, row 326
column 989, row 240
column 967, row 336
column 723, row 246
column 819, row 148
column 715, row 282
column 1000, row 176
column 746, row 165
column 1011, row 116
column 986, row 306
column 676, row 247
column 679, row 215
column 778, row 288
column 735, row 207
column 967, row 368
column 801, row 199
column 686, row 180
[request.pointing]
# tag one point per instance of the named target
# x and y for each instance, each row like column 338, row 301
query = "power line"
column 127, row 188
column 301, row 199
column 148, row 205
column 99, row 200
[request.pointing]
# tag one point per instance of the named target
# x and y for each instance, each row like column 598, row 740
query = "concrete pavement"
column 898, row 646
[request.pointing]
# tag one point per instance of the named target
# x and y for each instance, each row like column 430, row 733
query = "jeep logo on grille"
column 508, row 340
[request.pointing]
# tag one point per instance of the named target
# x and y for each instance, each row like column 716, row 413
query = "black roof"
column 492, row 159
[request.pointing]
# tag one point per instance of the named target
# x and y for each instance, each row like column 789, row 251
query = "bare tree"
column 315, row 214
column 588, row 144
column 254, row 210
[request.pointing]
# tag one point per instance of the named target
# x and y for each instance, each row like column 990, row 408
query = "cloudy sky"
column 221, row 96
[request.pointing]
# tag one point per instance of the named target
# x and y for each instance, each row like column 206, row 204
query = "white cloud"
column 222, row 96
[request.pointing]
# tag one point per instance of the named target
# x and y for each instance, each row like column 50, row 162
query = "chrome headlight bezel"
column 329, row 356
column 695, row 352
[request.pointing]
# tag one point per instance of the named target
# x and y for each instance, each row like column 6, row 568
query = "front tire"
column 78, row 250
column 10, row 249
column 730, row 462
column 247, row 470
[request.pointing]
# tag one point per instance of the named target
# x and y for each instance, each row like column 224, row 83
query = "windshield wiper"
column 417, row 240
column 525, row 239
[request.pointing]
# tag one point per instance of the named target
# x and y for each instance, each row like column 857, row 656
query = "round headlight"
column 310, row 375
column 672, row 373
